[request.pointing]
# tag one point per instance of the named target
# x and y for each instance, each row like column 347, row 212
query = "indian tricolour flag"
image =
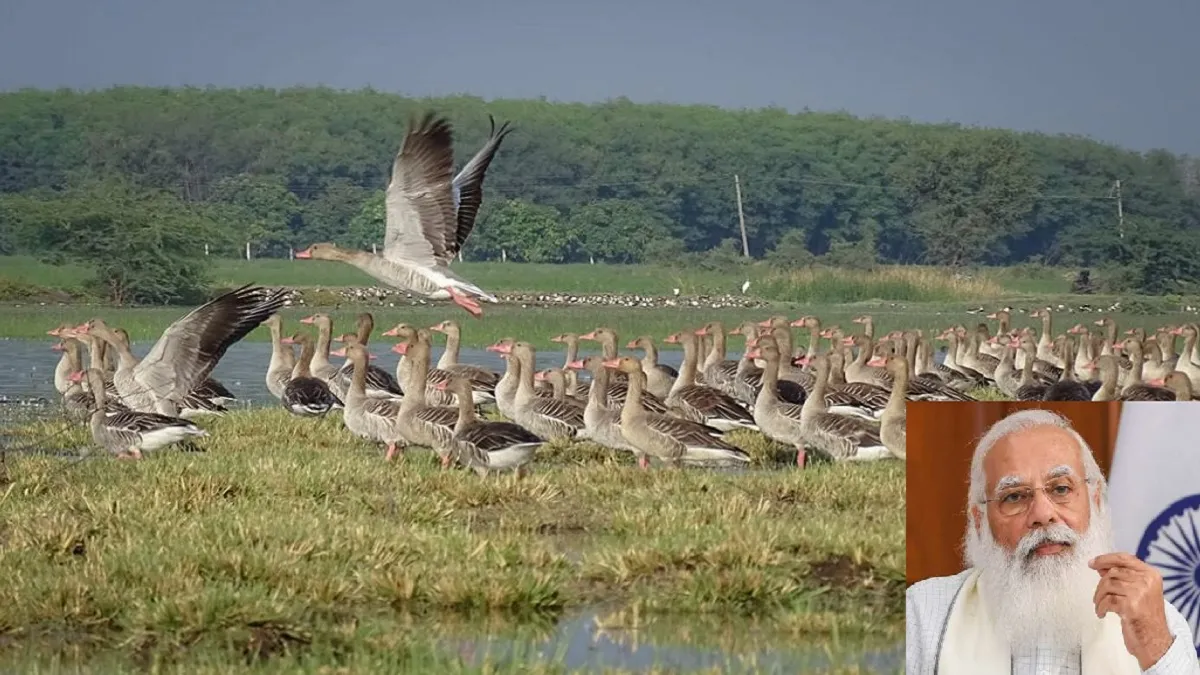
column 1154, row 496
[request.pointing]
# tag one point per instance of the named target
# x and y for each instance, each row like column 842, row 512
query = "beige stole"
column 972, row 645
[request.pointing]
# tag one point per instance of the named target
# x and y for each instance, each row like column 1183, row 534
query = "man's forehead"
column 1036, row 452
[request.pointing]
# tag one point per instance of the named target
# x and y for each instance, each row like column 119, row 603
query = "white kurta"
column 927, row 607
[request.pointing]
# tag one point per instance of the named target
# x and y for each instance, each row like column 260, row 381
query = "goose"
column 506, row 388
column 607, row 337
column 305, row 395
column 283, row 358
column 852, row 398
column 1136, row 389
column 601, row 420
column 485, row 446
column 719, row 372
column 617, row 386
column 379, row 383
column 375, row 419
column 670, row 439
column 193, row 404
column 127, row 434
column 64, row 367
column 548, row 418
column 1067, row 388
column 951, row 361
column 842, row 437
column 188, row 349
column 1107, row 366
column 433, row 395
column 99, row 356
column 321, row 367
column 1179, row 383
column 893, row 424
column 702, row 403
column 778, row 328
column 430, row 214
column 748, row 379
column 557, row 379
column 571, row 340
column 778, row 420
column 483, row 381
column 659, row 377
column 420, row 423
column 77, row 402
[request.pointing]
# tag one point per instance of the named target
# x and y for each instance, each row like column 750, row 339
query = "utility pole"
column 737, row 186
column 1120, row 211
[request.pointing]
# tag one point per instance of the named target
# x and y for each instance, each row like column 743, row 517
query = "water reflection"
column 598, row 638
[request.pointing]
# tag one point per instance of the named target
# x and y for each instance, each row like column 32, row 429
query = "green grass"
column 902, row 283
column 497, row 277
column 291, row 546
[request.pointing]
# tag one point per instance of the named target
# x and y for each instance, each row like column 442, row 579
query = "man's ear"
column 976, row 516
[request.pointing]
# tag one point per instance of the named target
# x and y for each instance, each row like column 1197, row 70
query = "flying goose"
column 430, row 214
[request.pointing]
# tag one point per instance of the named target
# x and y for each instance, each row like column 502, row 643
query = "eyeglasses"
column 1016, row 500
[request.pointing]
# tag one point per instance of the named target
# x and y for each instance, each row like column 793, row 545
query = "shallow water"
column 27, row 367
column 595, row 639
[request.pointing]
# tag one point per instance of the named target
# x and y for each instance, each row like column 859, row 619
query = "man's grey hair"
column 1020, row 421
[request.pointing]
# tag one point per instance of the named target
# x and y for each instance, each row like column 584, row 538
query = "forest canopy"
column 617, row 181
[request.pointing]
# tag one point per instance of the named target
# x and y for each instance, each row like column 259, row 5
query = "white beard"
column 1042, row 601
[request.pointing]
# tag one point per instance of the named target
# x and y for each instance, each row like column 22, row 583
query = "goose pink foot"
column 465, row 302
column 800, row 457
column 391, row 452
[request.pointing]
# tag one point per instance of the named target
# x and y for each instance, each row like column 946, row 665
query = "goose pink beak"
column 400, row 347
column 306, row 254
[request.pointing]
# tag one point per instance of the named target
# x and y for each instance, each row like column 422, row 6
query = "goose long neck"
column 608, row 344
column 1137, row 361
column 650, row 360
column 365, row 325
column 304, row 363
column 687, row 371
column 770, row 374
column 418, row 371
column 324, row 328
column 466, row 406
column 277, row 357
column 814, row 339
column 525, row 374
column 358, row 381
column 598, row 392
column 453, row 342
column 896, row 397
column 632, row 410
column 572, row 343
column 717, row 353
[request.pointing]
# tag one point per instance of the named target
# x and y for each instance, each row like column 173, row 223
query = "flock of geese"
column 1078, row 365
column 845, row 403
column 843, row 395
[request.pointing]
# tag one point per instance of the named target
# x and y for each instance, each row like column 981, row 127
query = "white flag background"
column 1154, row 496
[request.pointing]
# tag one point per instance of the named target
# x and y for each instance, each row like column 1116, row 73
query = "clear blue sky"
column 1116, row 70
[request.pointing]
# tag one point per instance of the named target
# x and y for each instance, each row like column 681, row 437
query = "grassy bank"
column 292, row 544
column 909, row 283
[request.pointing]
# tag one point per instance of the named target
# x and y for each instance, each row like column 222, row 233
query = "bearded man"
column 1044, row 592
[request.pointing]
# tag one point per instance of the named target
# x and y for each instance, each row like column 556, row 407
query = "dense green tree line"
column 613, row 182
